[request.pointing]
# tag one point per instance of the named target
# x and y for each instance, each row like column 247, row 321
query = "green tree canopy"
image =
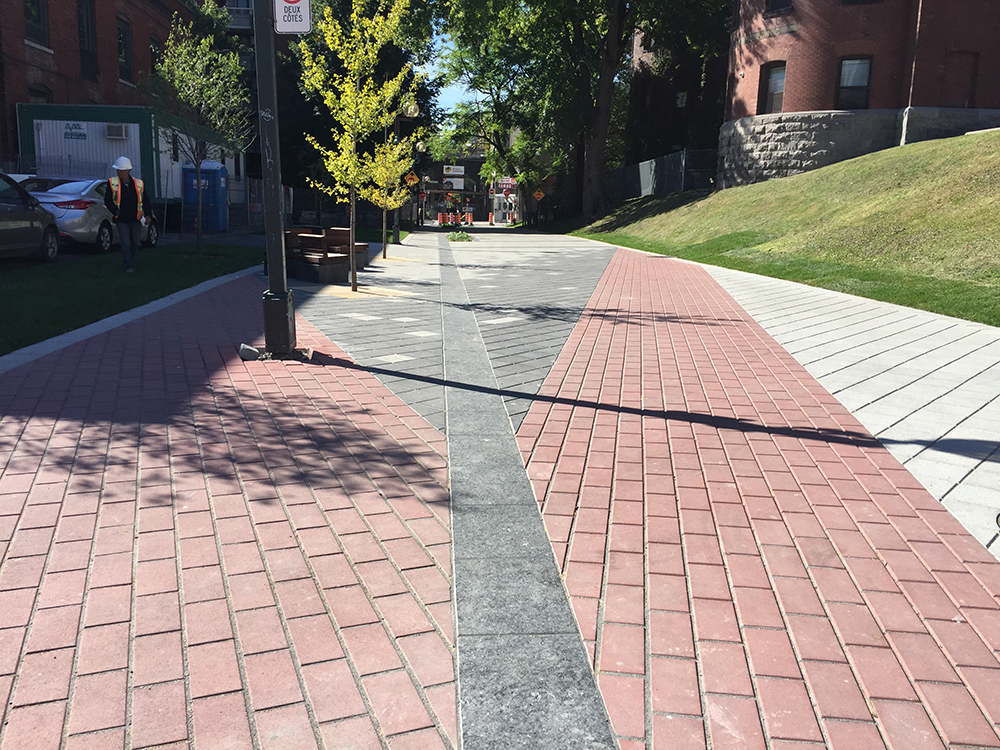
column 204, row 88
column 548, row 70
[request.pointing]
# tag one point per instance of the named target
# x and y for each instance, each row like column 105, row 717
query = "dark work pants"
column 128, row 235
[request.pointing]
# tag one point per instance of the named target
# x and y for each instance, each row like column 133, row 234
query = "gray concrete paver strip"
column 498, row 329
column 524, row 681
column 925, row 384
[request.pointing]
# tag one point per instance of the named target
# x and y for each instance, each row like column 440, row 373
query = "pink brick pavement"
column 748, row 567
column 203, row 553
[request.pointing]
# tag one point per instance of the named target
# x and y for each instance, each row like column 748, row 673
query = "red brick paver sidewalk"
column 747, row 566
column 203, row 553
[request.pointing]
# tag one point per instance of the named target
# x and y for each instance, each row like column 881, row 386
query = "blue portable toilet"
column 214, row 197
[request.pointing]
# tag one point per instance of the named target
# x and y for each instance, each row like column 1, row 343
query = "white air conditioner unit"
column 117, row 131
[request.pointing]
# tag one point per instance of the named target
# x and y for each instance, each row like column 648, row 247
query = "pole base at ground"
column 279, row 323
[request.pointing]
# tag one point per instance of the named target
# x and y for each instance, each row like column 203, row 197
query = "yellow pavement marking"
column 362, row 293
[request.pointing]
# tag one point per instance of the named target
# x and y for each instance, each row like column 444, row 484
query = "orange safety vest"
column 116, row 185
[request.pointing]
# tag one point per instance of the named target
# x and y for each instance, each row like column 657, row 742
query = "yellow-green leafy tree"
column 386, row 166
column 358, row 103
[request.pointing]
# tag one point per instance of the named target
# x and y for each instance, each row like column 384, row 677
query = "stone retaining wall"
column 754, row 149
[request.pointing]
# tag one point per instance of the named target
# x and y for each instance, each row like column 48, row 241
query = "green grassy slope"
column 917, row 225
column 38, row 301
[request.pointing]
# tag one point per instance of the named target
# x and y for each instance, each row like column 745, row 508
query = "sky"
column 450, row 96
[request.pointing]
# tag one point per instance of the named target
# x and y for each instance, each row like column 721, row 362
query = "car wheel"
column 105, row 238
column 50, row 245
column 153, row 235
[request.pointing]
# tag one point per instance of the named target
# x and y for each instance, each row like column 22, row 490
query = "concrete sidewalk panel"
column 510, row 597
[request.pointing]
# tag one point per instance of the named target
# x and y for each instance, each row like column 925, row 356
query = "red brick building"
column 76, row 52
column 918, row 68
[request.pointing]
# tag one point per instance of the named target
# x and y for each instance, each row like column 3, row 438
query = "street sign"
column 411, row 179
column 506, row 193
column 492, row 193
column 422, row 195
column 538, row 195
column 293, row 16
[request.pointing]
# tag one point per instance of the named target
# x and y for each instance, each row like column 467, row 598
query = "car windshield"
column 70, row 188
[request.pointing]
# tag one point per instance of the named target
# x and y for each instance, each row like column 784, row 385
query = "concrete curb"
column 35, row 351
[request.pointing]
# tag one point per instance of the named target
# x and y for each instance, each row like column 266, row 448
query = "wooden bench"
column 321, row 254
column 342, row 236
column 335, row 236
column 317, row 259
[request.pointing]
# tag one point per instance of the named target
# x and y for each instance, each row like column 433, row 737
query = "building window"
column 36, row 21
column 777, row 7
column 124, row 49
column 87, row 23
column 38, row 94
column 853, row 83
column 155, row 52
column 772, row 88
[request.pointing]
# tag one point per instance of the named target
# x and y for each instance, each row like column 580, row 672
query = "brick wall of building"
column 935, row 68
column 57, row 66
column 950, row 29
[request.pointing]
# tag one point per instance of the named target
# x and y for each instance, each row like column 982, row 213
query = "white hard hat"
column 122, row 163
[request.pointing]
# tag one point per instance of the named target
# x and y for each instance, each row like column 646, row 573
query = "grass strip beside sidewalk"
column 41, row 301
column 916, row 225
column 969, row 300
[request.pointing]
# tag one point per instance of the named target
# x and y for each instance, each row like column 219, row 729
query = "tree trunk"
column 594, row 202
column 385, row 229
column 385, row 202
column 354, row 259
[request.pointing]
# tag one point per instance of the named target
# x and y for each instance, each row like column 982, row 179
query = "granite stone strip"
column 524, row 679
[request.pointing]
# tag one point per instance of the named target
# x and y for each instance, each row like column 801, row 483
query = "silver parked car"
column 81, row 214
column 25, row 227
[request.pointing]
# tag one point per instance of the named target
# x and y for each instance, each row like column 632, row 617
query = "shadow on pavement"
column 983, row 450
column 723, row 423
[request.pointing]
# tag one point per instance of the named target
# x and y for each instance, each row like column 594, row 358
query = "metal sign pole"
column 279, row 307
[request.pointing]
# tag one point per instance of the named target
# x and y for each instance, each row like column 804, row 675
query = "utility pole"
column 279, row 306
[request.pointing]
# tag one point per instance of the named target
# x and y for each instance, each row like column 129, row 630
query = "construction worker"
column 129, row 204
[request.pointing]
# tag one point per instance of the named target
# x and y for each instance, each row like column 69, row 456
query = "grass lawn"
column 366, row 234
column 917, row 225
column 39, row 301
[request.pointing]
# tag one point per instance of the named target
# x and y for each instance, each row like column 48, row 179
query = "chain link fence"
column 682, row 170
